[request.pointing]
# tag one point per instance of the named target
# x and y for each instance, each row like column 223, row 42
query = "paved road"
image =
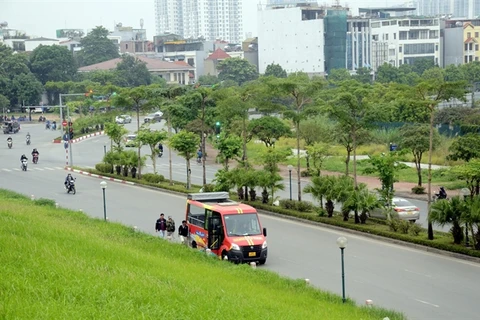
column 423, row 285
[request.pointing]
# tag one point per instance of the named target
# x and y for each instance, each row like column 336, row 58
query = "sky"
column 41, row 18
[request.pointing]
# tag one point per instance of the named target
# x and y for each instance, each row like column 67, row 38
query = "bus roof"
column 219, row 202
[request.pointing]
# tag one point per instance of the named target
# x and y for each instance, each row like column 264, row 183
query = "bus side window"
column 208, row 214
column 196, row 215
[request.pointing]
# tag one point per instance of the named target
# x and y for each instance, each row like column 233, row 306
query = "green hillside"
column 61, row 264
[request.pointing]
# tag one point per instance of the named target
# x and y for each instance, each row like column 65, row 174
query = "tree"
column 208, row 80
column 316, row 130
column 52, row 63
column 465, row 148
column 363, row 75
column 449, row 212
column 237, row 69
column 471, row 73
column 135, row 98
column 186, row 144
column 268, row 129
column 132, row 72
column 352, row 109
column 26, row 89
column 317, row 153
column 152, row 138
column 4, row 102
column 387, row 167
column 429, row 93
column 361, row 200
column 301, row 90
column 275, row 70
column 416, row 138
column 338, row 75
column 229, row 148
column 116, row 133
column 96, row 47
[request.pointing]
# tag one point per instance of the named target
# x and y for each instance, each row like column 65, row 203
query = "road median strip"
column 367, row 230
column 84, row 137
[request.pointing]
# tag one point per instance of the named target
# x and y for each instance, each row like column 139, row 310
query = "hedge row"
column 365, row 228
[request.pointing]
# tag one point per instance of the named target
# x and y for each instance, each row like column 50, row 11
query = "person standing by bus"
column 183, row 232
column 161, row 225
column 170, row 228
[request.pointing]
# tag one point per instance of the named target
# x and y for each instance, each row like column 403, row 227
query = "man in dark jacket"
column 161, row 225
column 183, row 232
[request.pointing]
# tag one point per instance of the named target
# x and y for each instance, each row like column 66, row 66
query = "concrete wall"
column 295, row 44
column 453, row 46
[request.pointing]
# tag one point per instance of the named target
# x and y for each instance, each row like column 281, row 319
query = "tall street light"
column 342, row 244
column 290, row 167
column 103, row 185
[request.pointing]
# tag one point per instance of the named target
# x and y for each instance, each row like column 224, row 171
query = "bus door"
column 215, row 230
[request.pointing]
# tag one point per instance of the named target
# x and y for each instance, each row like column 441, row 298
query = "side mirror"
column 264, row 232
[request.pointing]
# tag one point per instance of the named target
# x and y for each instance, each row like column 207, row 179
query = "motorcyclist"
column 160, row 149
column 35, row 153
column 442, row 194
column 9, row 139
column 199, row 155
column 23, row 157
column 68, row 180
column 28, row 137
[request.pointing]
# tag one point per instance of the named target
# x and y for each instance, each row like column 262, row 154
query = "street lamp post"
column 342, row 244
column 61, row 95
column 466, row 192
column 104, row 150
column 290, row 167
column 103, row 185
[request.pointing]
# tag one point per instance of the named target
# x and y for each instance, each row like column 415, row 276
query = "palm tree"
column 449, row 212
column 361, row 200
column 323, row 187
column 342, row 191
column 269, row 181
column 471, row 218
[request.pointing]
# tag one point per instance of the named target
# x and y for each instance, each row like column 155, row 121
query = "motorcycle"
column 24, row 164
column 160, row 154
column 35, row 158
column 71, row 187
column 28, row 141
column 10, row 144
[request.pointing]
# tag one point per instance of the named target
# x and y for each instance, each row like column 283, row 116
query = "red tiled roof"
column 470, row 39
column 152, row 65
column 218, row 54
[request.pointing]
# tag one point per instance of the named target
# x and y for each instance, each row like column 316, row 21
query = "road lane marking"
column 7, row 170
column 39, row 169
column 17, row 169
column 51, row 169
column 427, row 303
column 59, row 168
column 417, row 273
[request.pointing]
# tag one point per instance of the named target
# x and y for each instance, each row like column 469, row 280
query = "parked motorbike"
column 24, row 164
column 10, row 144
column 35, row 158
column 71, row 187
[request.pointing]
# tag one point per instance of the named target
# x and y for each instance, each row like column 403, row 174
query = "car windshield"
column 242, row 224
column 131, row 137
column 402, row 203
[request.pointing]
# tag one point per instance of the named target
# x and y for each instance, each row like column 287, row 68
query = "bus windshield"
column 242, row 225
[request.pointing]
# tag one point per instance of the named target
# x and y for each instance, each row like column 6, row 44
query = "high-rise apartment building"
column 456, row 8
column 210, row 19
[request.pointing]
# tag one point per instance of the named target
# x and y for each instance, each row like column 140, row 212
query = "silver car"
column 403, row 208
column 153, row 117
column 124, row 118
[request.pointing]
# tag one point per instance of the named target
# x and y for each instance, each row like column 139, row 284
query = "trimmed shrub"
column 209, row 187
column 418, row 190
column 153, row 178
column 287, row 204
column 393, row 224
column 301, row 206
column 415, row 229
column 403, row 226
column 103, row 167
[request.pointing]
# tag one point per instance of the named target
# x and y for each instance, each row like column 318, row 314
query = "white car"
column 124, row 118
column 404, row 209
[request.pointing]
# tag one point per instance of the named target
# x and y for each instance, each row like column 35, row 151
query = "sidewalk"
column 402, row 189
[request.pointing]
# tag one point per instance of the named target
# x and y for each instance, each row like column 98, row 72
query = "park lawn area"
column 61, row 264
column 336, row 163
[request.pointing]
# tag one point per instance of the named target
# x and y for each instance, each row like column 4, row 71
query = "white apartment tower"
column 211, row 19
column 457, row 8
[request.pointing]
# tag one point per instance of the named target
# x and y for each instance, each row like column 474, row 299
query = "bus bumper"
column 240, row 256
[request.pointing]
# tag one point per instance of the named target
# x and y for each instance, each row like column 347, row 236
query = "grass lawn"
column 336, row 162
column 61, row 264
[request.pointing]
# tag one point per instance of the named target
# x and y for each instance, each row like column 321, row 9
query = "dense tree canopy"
column 96, row 47
column 237, row 69
column 52, row 63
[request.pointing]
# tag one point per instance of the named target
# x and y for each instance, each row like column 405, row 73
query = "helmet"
column 23, row 155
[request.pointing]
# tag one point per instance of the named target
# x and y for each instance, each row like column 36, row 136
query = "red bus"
column 230, row 229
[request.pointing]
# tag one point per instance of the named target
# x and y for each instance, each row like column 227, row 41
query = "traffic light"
column 217, row 127
column 70, row 130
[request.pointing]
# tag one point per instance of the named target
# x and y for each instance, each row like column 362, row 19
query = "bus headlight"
column 235, row 247
column 264, row 245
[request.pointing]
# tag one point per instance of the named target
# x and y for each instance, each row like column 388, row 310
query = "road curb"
column 100, row 177
column 373, row 236
column 98, row 133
